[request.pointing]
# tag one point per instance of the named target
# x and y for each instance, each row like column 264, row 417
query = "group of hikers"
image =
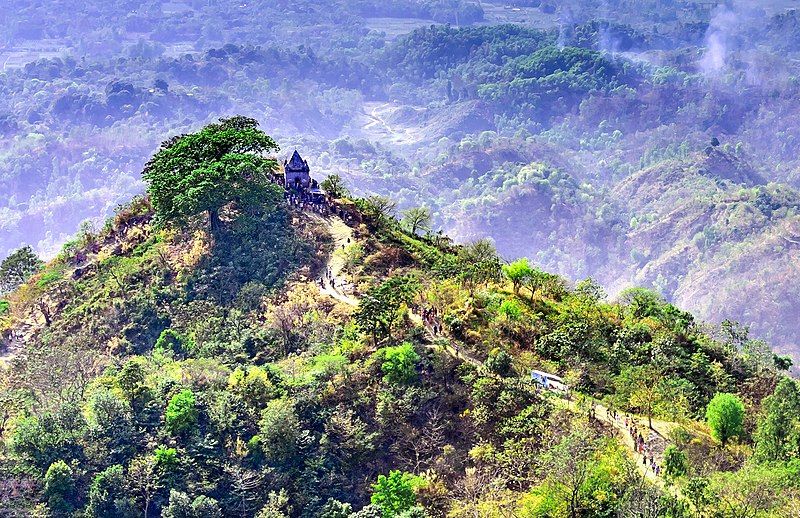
column 328, row 275
column 430, row 317
column 321, row 204
column 304, row 201
column 641, row 446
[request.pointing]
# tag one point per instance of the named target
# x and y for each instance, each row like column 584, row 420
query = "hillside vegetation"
column 183, row 361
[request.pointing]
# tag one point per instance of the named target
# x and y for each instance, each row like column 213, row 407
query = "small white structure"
column 549, row 381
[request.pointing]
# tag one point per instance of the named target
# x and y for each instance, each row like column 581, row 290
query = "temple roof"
column 296, row 163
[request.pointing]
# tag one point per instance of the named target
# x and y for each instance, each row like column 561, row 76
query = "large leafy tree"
column 648, row 390
column 417, row 218
column 394, row 493
column 518, row 272
column 377, row 310
column 205, row 171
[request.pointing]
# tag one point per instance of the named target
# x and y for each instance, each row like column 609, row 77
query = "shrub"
column 181, row 412
column 725, row 417
column 59, row 487
column 395, row 493
column 675, row 463
column 399, row 363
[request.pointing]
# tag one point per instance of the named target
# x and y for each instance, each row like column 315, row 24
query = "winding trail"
column 602, row 414
column 335, row 285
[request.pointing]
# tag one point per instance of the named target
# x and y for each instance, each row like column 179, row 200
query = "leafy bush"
column 181, row 414
column 725, row 417
column 395, row 493
column 399, row 363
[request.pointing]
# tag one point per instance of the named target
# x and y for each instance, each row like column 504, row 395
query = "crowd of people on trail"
column 430, row 317
column 328, row 275
column 305, row 201
column 641, row 446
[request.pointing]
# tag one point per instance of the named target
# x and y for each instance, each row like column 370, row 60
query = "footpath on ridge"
column 334, row 283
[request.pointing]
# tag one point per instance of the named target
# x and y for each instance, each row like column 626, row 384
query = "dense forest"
column 221, row 348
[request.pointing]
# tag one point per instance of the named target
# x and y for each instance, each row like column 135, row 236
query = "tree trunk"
column 213, row 219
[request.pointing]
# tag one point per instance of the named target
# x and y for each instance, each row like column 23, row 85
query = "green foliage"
column 335, row 186
column 253, row 385
column 181, row 413
column 18, row 267
column 279, row 430
column 166, row 458
column 518, row 272
column 182, row 506
column 675, row 462
column 174, row 343
column 777, row 436
column 725, row 417
column 107, row 495
column 395, row 493
column 499, row 362
column 510, row 309
column 204, row 171
column 417, row 219
column 110, row 421
column 399, row 363
column 378, row 308
column 648, row 391
column 59, row 488
column 478, row 264
column 336, row 509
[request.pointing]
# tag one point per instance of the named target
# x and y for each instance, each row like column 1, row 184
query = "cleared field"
column 500, row 12
column 394, row 27
column 20, row 55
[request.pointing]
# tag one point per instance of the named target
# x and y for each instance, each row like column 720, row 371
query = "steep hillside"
column 709, row 234
column 266, row 356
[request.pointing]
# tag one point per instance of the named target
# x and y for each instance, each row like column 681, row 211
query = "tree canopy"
column 204, row 171
column 725, row 417
column 18, row 267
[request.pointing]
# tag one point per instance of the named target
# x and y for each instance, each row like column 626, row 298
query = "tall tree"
column 335, row 186
column 205, row 171
column 18, row 267
column 778, row 434
column 518, row 272
column 647, row 390
column 569, row 464
column 417, row 218
column 479, row 264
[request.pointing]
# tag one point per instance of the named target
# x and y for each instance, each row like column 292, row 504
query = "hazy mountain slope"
column 709, row 240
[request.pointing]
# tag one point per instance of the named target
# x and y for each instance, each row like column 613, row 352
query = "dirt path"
column 655, row 440
column 336, row 284
column 602, row 413
column 455, row 352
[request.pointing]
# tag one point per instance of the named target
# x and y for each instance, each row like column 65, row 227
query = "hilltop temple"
column 296, row 172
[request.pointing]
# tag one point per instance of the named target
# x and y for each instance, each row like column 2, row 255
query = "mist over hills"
column 576, row 135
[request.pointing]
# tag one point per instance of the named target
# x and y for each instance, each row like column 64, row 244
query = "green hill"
column 287, row 362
